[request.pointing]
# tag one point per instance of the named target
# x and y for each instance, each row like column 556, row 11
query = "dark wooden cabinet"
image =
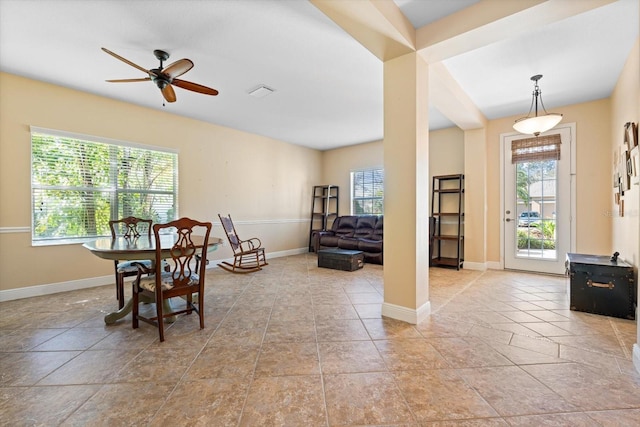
column 447, row 207
column 601, row 286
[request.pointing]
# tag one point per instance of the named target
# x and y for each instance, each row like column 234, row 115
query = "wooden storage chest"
column 601, row 286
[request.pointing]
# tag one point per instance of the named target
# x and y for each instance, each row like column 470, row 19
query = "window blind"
column 536, row 149
column 78, row 185
column 367, row 196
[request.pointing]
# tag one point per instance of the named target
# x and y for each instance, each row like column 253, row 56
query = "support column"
column 406, row 193
column 475, row 199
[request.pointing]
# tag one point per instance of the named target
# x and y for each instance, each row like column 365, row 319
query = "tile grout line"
column 255, row 365
column 447, row 301
column 180, row 381
column 484, row 291
column 616, row 331
column 315, row 329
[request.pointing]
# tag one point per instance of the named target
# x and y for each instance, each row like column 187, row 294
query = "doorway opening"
column 538, row 200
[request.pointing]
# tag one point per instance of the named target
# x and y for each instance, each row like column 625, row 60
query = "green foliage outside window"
column 79, row 185
column 533, row 238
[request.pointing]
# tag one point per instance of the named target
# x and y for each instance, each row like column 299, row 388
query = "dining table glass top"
column 140, row 247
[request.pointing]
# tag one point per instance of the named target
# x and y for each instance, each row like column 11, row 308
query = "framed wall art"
column 626, row 164
column 635, row 164
column 631, row 134
column 623, row 169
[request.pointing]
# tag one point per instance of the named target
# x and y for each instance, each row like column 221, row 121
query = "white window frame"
column 110, row 191
column 364, row 198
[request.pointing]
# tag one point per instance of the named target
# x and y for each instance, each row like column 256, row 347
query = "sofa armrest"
column 317, row 234
column 325, row 233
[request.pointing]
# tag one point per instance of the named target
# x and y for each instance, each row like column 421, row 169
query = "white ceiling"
column 328, row 87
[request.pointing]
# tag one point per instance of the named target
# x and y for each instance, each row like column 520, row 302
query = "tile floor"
column 294, row 345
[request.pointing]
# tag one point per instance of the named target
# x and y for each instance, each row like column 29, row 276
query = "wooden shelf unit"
column 447, row 207
column 324, row 208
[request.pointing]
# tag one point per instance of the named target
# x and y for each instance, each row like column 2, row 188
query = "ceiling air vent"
column 260, row 91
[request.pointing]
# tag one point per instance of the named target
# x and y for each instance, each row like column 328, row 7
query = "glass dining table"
column 141, row 248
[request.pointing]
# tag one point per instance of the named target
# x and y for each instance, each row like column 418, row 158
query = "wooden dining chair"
column 182, row 280
column 129, row 228
column 248, row 255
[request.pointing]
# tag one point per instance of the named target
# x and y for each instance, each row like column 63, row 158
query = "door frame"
column 573, row 186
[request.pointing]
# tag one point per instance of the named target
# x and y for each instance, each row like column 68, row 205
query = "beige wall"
column 263, row 183
column 338, row 164
column 625, row 107
column 446, row 152
column 446, row 156
column 475, row 194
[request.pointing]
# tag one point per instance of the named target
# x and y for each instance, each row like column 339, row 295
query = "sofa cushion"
column 349, row 243
column 367, row 245
column 345, row 226
column 365, row 227
column 378, row 230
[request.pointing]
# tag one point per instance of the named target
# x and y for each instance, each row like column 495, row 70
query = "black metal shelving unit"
column 324, row 207
column 447, row 207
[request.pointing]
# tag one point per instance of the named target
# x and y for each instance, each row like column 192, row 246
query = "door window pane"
column 536, row 189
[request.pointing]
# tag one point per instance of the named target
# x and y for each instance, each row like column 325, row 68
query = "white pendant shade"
column 538, row 124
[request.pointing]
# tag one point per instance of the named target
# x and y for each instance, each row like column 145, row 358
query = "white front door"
column 537, row 207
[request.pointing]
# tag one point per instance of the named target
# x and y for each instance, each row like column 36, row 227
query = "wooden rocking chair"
column 248, row 255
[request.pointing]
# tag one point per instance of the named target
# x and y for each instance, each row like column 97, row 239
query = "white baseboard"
column 480, row 266
column 289, row 252
column 494, row 265
column 54, row 288
column 636, row 356
column 92, row 282
column 406, row 314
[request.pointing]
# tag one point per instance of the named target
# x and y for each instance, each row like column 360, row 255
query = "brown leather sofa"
column 358, row 233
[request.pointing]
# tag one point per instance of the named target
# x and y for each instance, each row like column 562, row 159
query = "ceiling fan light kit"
column 537, row 124
column 165, row 78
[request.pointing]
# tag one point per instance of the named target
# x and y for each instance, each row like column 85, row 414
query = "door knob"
column 508, row 219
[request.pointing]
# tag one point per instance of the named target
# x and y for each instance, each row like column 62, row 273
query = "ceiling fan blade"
column 126, row 61
column 178, row 68
column 145, row 79
column 194, row 87
column 168, row 93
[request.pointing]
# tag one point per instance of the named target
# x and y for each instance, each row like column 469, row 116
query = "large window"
column 367, row 192
column 79, row 183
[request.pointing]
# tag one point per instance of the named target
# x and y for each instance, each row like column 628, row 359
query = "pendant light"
column 535, row 125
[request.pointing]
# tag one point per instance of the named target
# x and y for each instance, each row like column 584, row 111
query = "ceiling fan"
column 164, row 78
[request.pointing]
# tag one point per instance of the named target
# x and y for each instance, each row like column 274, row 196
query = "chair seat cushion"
column 166, row 278
column 129, row 267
